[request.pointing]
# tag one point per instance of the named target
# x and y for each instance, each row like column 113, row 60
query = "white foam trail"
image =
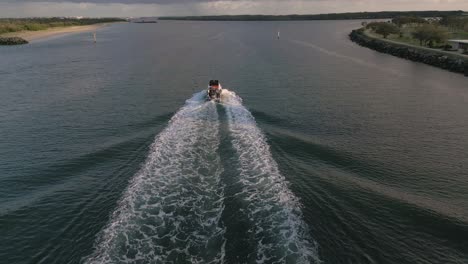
column 273, row 210
column 171, row 210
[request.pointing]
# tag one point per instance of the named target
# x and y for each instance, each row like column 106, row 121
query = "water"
column 322, row 151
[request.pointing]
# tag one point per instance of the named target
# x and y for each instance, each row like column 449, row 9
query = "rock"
column 452, row 63
column 12, row 41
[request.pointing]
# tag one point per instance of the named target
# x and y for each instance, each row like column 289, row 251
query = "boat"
column 146, row 22
column 214, row 90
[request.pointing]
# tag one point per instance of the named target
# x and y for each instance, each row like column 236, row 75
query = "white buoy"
column 278, row 35
column 94, row 36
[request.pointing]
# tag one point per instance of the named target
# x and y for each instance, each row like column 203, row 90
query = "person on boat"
column 214, row 89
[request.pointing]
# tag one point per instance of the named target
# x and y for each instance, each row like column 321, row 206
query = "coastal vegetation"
column 428, row 34
column 442, row 59
column 418, row 31
column 333, row 16
column 8, row 25
column 419, row 39
column 383, row 28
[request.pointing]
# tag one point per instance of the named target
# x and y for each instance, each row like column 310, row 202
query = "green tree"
column 421, row 35
column 429, row 34
column 385, row 29
column 373, row 25
column 454, row 22
column 405, row 20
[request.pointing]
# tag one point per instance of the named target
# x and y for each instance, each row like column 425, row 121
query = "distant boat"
column 142, row 21
column 278, row 35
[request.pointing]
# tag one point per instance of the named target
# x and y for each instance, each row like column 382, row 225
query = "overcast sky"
column 127, row 8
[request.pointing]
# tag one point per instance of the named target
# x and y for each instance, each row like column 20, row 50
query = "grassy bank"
column 411, row 43
column 406, row 36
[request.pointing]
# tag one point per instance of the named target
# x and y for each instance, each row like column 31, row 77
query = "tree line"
column 332, row 16
column 455, row 22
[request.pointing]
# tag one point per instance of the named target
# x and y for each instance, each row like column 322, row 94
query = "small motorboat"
column 214, row 90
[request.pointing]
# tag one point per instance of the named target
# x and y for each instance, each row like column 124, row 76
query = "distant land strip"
column 332, row 16
column 17, row 31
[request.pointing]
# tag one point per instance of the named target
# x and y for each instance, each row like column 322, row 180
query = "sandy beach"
column 41, row 34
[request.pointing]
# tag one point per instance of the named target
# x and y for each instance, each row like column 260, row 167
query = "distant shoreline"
column 32, row 36
column 332, row 16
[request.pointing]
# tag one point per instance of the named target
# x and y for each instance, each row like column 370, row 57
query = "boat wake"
column 279, row 231
column 172, row 211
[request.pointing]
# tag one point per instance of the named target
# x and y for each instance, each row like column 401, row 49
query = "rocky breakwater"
column 442, row 60
column 12, row 41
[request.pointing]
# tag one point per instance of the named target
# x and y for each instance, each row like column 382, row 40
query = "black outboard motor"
column 211, row 94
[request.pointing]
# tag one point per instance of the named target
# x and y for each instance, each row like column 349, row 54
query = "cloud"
column 124, row 8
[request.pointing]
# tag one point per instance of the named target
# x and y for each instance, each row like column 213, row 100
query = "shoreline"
column 452, row 62
column 32, row 36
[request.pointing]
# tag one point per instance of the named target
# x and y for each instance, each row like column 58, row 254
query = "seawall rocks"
column 12, row 41
column 445, row 61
